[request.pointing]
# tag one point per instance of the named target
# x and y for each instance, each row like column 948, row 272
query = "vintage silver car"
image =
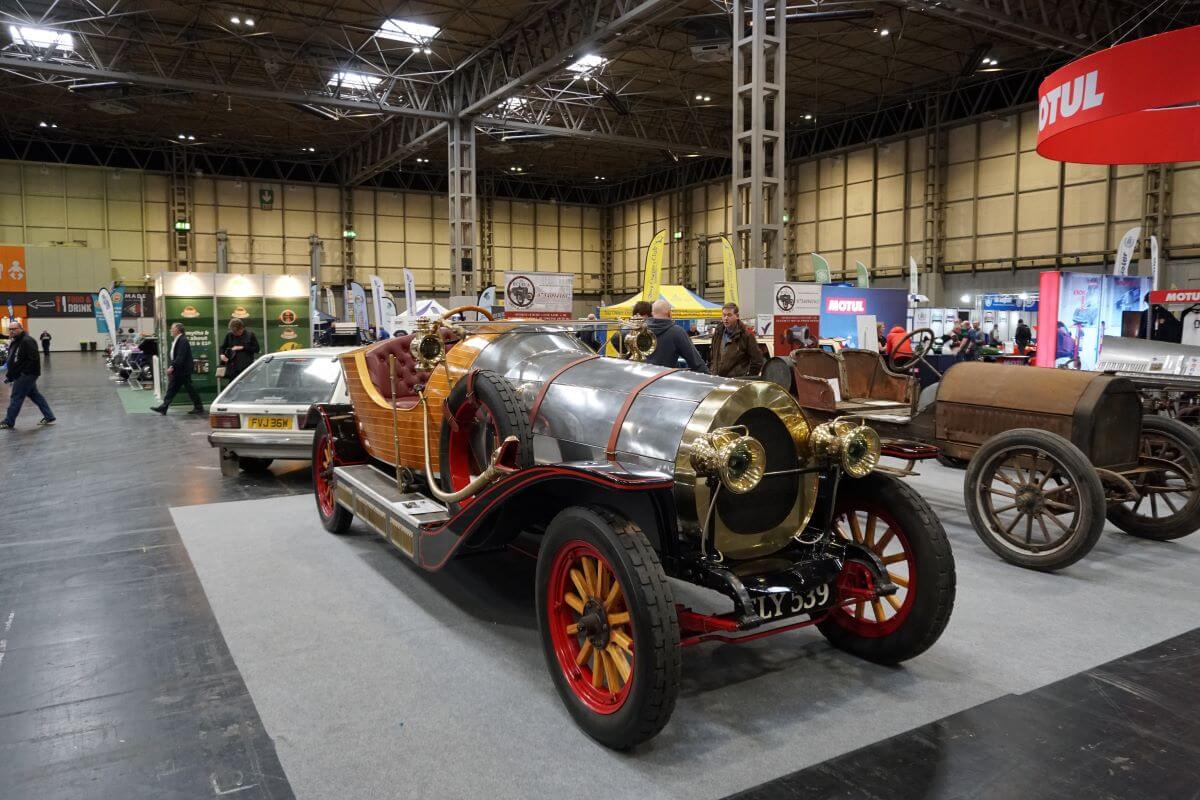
column 459, row 437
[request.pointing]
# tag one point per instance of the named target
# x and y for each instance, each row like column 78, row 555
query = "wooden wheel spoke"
column 621, row 618
column 574, row 602
column 1045, row 530
column 601, row 579
column 1166, row 498
column 613, row 593
column 1061, row 508
column 899, row 581
column 581, row 586
column 1008, row 531
column 1054, row 518
column 892, row 601
column 1056, row 490
column 584, row 652
column 610, row 671
column 622, row 641
column 1001, row 492
column 619, row 661
column 859, row 608
column 855, row 527
column 598, row 668
column 589, row 577
column 1002, row 509
column 870, row 536
column 884, row 541
column 573, row 629
column 895, row 558
column 1153, row 505
column 1004, row 478
column 1028, row 528
column 877, row 610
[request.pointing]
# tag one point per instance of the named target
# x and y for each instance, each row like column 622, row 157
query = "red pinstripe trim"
column 610, row 452
column 541, row 395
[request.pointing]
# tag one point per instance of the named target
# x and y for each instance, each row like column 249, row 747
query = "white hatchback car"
column 263, row 414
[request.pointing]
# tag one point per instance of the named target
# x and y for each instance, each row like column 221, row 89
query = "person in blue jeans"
column 24, row 368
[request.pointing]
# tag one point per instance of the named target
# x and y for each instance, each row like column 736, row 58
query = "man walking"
column 735, row 352
column 1024, row 336
column 672, row 343
column 24, row 368
column 46, row 337
column 179, row 373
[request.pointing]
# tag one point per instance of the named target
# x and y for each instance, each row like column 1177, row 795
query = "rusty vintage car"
column 1049, row 454
column 460, row 437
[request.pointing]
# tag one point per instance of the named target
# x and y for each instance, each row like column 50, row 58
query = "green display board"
column 288, row 324
column 196, row 314
column 248, row 309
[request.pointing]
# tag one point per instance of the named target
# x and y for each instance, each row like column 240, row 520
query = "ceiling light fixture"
column 249, row 23
column 808, row 116
column 235, row 20
column 884, row 31
column 353, row 80
column 699, row 97
column 402, row 30
column 587, row 63
column 966, row 298
column 44, row 38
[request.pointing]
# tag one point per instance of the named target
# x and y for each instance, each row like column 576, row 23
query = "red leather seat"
column 407, row 376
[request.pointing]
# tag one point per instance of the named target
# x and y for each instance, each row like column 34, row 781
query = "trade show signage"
column 108, row 307
column 196, row 314
column 248, row 309
column 1089, row 307
column 1130, row 104
column 842, row 305
column 797, row 316
column 539, row 295
column 1009, row 302
column 820, row 268
column 288, row 323
column 652, row 277
column 1162, row 297
column 1125, row 250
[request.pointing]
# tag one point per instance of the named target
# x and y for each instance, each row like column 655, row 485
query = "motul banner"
column 1129, row 104
column 1164, row 297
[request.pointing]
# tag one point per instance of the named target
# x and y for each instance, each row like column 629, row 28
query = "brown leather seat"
column 864, row 382
column 868, row 378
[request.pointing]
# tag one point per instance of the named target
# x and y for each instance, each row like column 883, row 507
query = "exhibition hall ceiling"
column 588, row 91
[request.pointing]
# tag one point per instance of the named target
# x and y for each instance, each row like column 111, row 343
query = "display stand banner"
column 842, row 305
column 538, row 295
column 105, row 303
column 196, row 314
column 729, row 271
column 1130, row 104
column 287, row 323
column 797, row 316
column 1125, row 250
column 652, row 275
column 248, row 309
column 820, row 268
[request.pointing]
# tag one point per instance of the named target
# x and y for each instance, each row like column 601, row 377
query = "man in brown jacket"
column 735, row 352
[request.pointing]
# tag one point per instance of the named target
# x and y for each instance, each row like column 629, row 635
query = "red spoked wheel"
column 334, row 517
column 882, row 514
column 482, row 410
column 590, row 627
column 610, row 633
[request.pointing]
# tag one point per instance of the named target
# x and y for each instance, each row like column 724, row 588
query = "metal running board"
column 372, row 496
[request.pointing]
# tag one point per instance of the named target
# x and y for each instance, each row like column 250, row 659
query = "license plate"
column 788, row 604
column 270, row 423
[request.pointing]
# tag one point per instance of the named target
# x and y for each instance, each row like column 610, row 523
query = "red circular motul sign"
column 1131, row 104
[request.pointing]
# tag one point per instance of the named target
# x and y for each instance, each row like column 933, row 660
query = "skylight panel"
column 402, row 30
column 587, row 63
column 43, row 38
column 354, row 80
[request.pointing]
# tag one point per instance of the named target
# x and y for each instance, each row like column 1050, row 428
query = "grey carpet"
column 379, row 680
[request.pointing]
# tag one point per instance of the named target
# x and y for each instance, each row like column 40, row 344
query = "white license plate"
column 269, row 423
column 778, row 605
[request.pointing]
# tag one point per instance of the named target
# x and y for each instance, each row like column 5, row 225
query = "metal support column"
column 487, row 266
column 791, row 202
column 606, row 254
column 463, row 211
column 222, row 250
column 935, row 205
column 1156, row 220
column 181, row 211
column 347, row 241
column 759, row 54
column 314, row 259
column 682, row 261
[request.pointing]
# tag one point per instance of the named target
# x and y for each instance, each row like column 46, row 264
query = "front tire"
column 883, row 514
column 334, row 517
column 1164, row 440
column 1027, row 476
column 612, row 648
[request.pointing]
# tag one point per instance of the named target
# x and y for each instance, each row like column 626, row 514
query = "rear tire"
column 1027, row 475
column 951, row 462
column 334, row 517
column 889, row 518
column 255, row 465
column 625, row 696
column 1170, row 440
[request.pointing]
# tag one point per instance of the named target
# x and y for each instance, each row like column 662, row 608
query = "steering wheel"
column 465, row 309
column 922, row 348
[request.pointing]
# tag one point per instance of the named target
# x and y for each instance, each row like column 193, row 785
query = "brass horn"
column 731, row 455
column 427, row 347
column 855, row 446
column 640, row 342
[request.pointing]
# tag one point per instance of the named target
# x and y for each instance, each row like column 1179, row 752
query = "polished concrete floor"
column 167, row 632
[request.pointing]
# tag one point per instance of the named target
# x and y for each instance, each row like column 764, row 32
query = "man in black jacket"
column 239, row 349
column 179, row 373
column 673, row 344
column 24, row 368
column 1024, row 336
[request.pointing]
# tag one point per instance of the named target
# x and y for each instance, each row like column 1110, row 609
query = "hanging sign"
column 538, row 295
column 266, row 199
column 1130, row 104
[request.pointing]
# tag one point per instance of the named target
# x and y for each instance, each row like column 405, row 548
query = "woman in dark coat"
column 239, row 349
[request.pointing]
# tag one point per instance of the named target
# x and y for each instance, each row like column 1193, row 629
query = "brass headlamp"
column 427, row 347
column 854, row 445
column 640, row 342
column 731, row 455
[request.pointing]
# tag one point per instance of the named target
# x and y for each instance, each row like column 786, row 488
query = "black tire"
column 654, row 682
column 929, row 565
column 951, row 461
column 494, row 399
column 1068, row 471
column 334, row 517
column 1163, row 437
column 258, row 465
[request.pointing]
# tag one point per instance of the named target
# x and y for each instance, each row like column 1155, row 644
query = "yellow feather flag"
column 652, row 282
column 729, row 271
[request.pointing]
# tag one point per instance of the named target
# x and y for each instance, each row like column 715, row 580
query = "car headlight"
column 854, row 445
column 731, row 455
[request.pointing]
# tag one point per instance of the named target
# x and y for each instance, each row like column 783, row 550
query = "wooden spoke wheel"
column 609, row 628
column 1034, row 499
column 334, row 517
column 1167, row 480
column 884, row 515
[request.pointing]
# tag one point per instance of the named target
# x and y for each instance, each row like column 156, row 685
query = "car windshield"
column 301, row 380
